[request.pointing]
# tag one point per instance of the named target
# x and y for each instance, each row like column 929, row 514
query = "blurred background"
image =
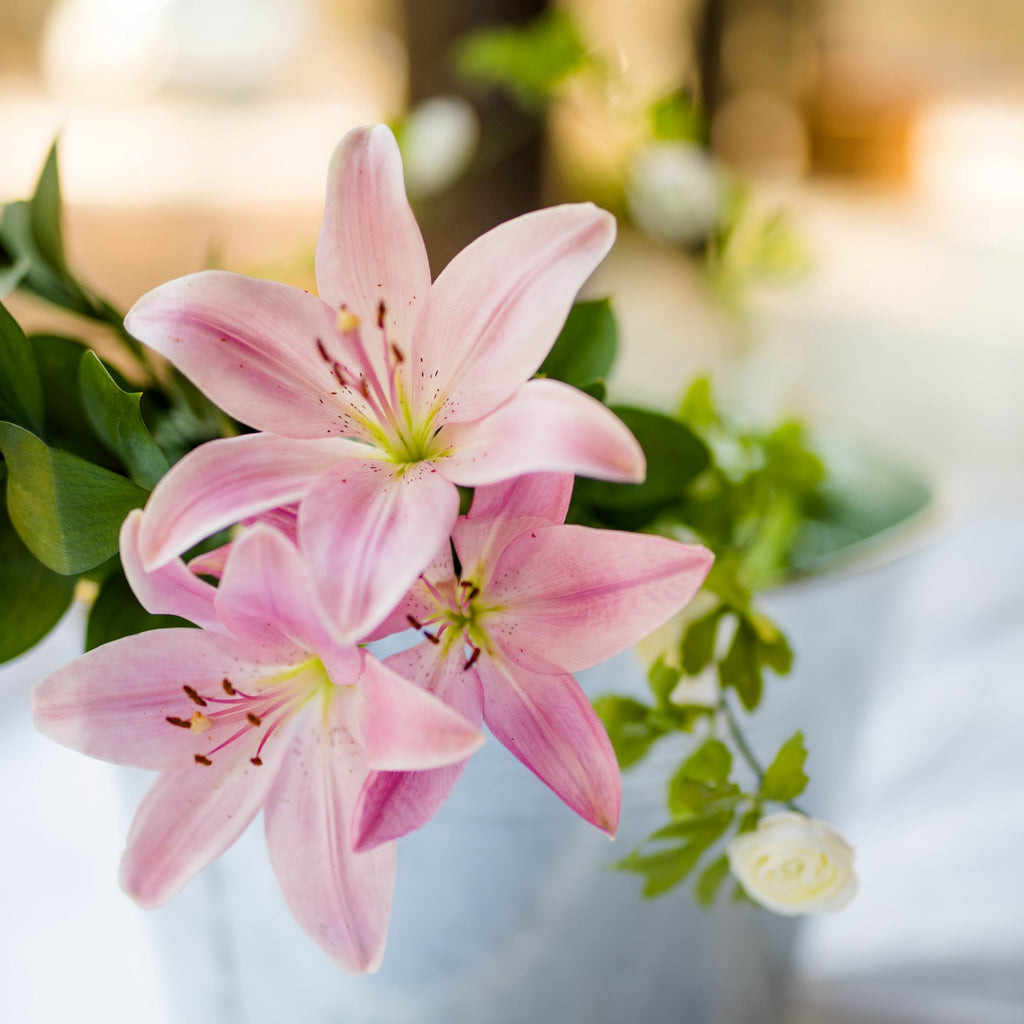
column 821, row 204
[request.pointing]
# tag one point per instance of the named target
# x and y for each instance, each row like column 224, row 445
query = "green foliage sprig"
column 80, row 446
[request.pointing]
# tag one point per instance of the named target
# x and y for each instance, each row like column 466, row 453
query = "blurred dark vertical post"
column 506, row 179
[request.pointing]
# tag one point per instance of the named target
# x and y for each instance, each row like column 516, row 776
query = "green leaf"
column 66, row 425
column 705, row 828
column 676, row 116
column 773, row 648
column 702, row 780
column 750, row 820
column 585, row 350
column 741, row 668
column 665, row 869
column 32, row 598
column 529, row 62
column 698, row 410
column 675, row 455
column 628, row 726
column 711, row 762
column 698, row 645
column 12, row 275
column 66, row 510
column 662, row 680
column 45, row 211
column 117, row 613
column 21, row 393
column 115, row 417
column 710, row 881
column 784, row 779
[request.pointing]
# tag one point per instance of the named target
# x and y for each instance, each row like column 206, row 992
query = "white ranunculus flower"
column 438, row 140
column 674, row 192
column 793, row 864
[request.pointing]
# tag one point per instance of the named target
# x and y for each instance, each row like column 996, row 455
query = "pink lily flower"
column 261, row 708
column 379, row 397
column 535, row 601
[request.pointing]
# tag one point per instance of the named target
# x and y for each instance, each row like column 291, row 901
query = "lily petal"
column 538, row 495
column 114, row 702
column 266, row 599
column 406, row 728
column 588, row 594
column 170, row 590
column 497, row 308
column 500, row 512
column 368, row 529
column 341, row 898
column 225, row 481
column 547, row 427
column 546, row 721
column 191, row 816
column 370, row 248
column 252, row 346
column 394, row 803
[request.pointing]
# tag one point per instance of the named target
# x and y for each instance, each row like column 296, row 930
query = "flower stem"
column 740, row 740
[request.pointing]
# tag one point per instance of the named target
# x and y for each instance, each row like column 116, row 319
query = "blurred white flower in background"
column 674, row 192
column 438, row 138
column 793, row 864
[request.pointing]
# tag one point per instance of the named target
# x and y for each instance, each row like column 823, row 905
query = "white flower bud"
column 794, row 865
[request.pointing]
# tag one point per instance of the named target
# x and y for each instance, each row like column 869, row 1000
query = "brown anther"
column 228, row 688
column 380, row 313
column 193, row 696
column 472, row 659
column 397, row 353
column 201, row 759
column 256, row 761
column 473, row 593
column 322, row 350
column 254, row 719
column 181, row 723
column 430, row 636
column 364, row 388
column 415, row 623
column 338, row 375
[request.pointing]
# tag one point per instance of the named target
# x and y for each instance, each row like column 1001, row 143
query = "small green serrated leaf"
column 697, row 649
column 702, row 780
column 676, row 116
column 662, row 680
column 115, row 417
column 21, row 393
column 585, row 349
column 711, row 762
column 697, row 409
column 698, row 827
column 32, row 597
column 117, row 613
column 784, row 779
column 66, row 510
column 750, row 820
column 528, row 61
column 628, row 725
column 740, row 668
column 665, row 869
column 710, row 881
